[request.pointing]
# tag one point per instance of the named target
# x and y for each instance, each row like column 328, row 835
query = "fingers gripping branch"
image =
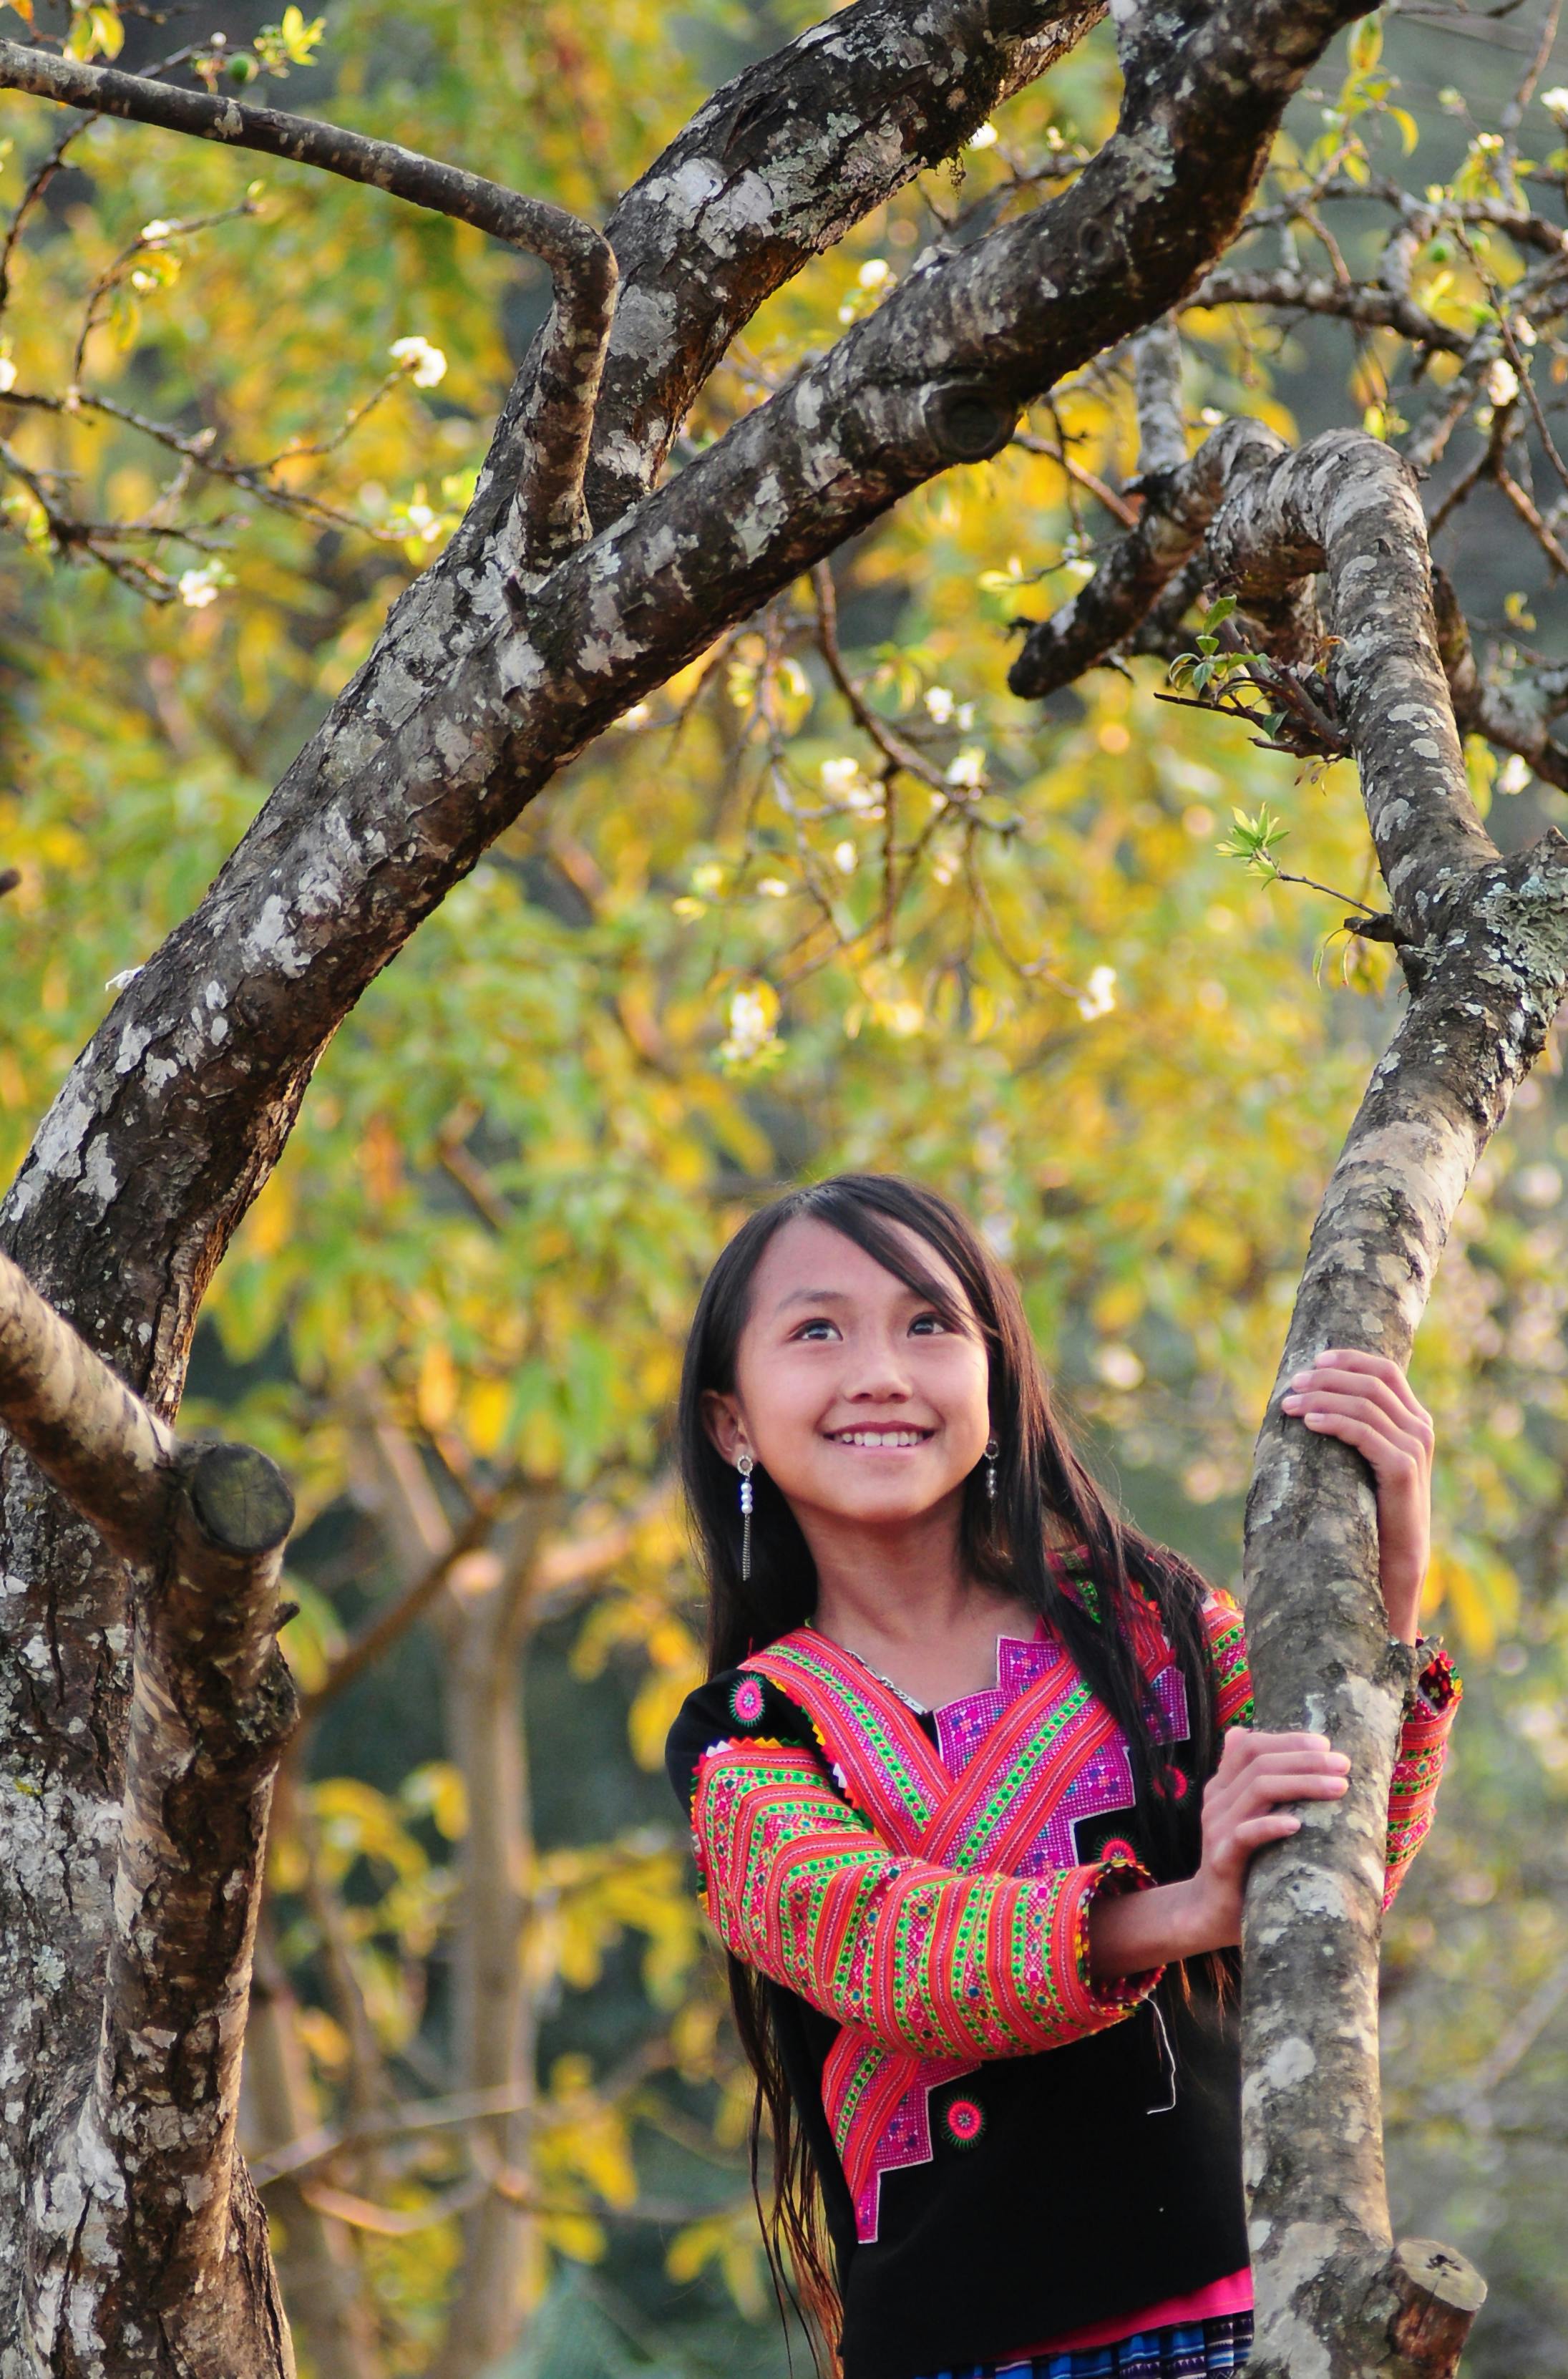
column 152, row 2146
column 552, row 452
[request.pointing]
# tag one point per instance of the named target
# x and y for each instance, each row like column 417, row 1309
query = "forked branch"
column 552, row 454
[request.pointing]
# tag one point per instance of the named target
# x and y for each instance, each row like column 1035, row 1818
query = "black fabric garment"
column 1076, row 2202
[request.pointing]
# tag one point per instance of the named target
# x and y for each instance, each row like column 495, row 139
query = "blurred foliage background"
column 831, row 899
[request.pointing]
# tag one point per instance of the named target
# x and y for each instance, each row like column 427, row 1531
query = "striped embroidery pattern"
column 921, row 1959
column 1228, row 1651
column 1417, row 1768
column 890, row 1768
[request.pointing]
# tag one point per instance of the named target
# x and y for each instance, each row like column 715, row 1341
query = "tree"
column 527, row 638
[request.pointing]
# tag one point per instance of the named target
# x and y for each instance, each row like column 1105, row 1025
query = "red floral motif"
column 965, row 2122
column 747, row 1701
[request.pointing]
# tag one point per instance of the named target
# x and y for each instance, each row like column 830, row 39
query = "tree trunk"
column 316, row 2265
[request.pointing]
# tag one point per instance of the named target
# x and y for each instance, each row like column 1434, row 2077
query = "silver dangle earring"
column 992, row 1450
column 745, row 1464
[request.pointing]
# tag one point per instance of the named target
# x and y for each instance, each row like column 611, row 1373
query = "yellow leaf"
column 484, row 1413
column 1481, row 1593
column 435, row 1396
column 576, row 2235
column 1365, row 45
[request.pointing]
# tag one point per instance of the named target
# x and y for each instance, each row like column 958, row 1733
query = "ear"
column 721, row 1419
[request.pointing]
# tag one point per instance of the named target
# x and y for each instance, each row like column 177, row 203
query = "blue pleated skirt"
column 1198, row 2349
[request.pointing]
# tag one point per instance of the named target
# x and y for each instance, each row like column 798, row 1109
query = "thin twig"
column 1103, row 493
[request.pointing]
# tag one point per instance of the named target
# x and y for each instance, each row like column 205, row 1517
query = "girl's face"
column 851, row 1391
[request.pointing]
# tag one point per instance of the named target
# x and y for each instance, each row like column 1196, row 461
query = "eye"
column 929, row 1324
column 820, row 1327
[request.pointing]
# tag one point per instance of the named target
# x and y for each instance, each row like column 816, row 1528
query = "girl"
column 973, row 1798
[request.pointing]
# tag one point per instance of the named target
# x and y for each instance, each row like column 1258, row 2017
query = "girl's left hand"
column 1366, row 1400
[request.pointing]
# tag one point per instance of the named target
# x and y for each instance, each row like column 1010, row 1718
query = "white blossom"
column 1099, row 994
column 424, row 364
column 844, row 857
column 151, row 233
column 968, row 769
column 874, row 272
column 751, row 1027
column 1502, row 381
column 1555, row 101
column 984, row 137
column 1514, row 775
column 7, row 373
column 939, row 703
column 773, row 887
column 843, row 781
column 199, row 588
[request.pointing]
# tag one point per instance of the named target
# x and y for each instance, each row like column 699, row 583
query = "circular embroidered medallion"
column 1118, row 1852
column 965, row 2122
column 746, row 1701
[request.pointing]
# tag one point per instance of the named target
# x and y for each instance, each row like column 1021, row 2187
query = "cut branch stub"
column 1437, row 2294
column 241, row 1498
column 967, row 422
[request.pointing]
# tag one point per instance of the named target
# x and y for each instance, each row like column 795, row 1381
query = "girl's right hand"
column 1242, row 1812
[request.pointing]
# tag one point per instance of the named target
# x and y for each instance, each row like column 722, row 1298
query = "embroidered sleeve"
column 1419, row 1763
column 922, row 1958
column 1423, row 1742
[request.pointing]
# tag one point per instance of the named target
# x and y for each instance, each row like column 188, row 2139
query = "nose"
column 879, row 1374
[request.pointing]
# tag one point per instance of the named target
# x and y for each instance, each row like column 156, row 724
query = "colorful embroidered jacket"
column 1006, row 2148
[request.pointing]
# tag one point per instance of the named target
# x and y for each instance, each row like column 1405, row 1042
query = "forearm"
column 1141, row 1929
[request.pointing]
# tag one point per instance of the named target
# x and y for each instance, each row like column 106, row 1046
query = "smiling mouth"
column 880, row 1440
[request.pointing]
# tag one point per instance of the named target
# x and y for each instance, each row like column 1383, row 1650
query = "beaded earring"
column 745, row 1464
column 992, row 1450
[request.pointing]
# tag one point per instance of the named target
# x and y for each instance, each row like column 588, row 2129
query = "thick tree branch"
column 551, row 447
column 1162, row 418
column 1352, row 301
column 1485, row 945
column 773, row 171
column 1487, row 963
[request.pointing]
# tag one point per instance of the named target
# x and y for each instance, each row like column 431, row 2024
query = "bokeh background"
column 491, row 2092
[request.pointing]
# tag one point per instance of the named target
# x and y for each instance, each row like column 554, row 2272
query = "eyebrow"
column 811, row 1297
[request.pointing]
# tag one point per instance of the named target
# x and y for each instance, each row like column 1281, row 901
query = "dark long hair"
column 1045, row 1500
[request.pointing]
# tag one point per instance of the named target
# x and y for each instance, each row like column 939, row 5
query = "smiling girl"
column 973, row 1796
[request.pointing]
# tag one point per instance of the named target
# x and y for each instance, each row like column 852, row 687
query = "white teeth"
column 880, row 1436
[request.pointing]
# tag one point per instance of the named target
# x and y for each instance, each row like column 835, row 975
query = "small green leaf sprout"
column 1253, row 840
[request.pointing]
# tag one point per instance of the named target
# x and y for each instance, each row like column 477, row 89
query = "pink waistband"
column 1233, row 2294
